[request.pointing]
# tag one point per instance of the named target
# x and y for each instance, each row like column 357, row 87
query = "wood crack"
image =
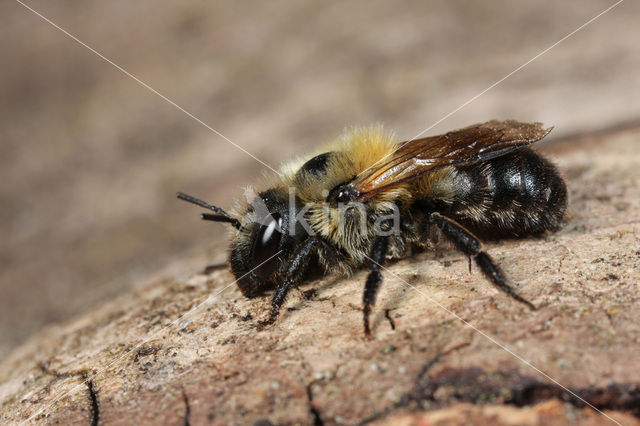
column 93, row 399
column 477, row 386
column 187, row 408
column 314, row 413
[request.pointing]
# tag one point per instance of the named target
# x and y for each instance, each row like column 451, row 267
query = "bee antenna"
column 219, row 216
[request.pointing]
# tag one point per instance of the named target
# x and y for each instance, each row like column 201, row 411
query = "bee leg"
column 296, row 266
column 470, row 245
column 374, row 279
column 276, row 303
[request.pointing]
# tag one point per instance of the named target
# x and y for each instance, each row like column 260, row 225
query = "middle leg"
column 374, row 279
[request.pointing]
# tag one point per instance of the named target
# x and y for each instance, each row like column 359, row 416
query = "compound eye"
column 266, row 246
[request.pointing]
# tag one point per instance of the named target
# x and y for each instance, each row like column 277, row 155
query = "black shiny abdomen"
column 521, row 193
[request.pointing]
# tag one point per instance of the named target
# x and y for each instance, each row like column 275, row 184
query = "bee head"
column 268, row 235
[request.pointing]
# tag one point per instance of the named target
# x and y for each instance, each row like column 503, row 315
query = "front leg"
column 378, row 253
column 297, row 264
column 470, row 245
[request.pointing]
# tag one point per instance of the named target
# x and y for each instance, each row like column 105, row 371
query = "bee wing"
column 479, row 142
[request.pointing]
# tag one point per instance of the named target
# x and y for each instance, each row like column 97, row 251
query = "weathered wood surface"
column 177, row 350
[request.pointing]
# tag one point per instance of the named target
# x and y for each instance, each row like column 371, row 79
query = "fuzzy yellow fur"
column 357, row 149
column 354, row 152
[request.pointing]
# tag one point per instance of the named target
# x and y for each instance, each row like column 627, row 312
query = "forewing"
column 479, row 142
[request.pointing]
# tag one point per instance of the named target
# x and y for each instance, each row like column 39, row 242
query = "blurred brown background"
column 90, row 160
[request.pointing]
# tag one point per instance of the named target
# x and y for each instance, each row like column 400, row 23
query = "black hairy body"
column 369, row 198
column 519, row 194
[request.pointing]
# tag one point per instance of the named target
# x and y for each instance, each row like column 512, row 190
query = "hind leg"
column 470, row 245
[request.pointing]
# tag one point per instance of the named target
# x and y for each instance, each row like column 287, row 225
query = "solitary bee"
column 369, row 198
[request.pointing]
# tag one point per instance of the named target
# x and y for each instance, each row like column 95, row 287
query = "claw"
column 272, row 319
column 367, row 329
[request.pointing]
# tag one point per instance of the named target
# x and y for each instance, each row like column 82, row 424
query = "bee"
column 369, row 198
